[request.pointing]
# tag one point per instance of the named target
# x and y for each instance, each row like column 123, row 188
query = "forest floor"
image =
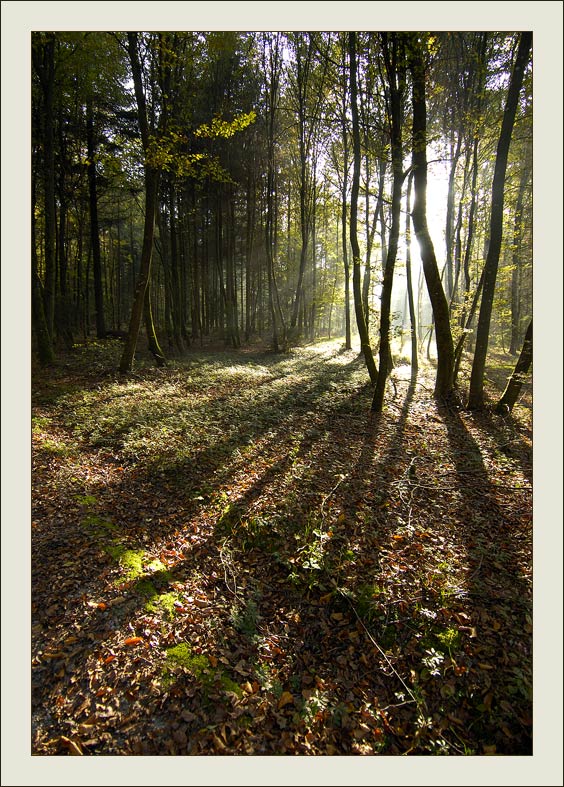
column 233, row 556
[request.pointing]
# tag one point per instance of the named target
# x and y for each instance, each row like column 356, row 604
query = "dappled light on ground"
column 233, row 555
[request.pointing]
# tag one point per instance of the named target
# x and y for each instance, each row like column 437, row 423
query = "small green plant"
column 86, row 500
column 38, row 423
column 55, row 447
column 366, row 601
column 245, row 620
column 449, row 639
column 267, row 677
column 432, row 661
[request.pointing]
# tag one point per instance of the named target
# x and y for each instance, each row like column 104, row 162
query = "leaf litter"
column 301, row 576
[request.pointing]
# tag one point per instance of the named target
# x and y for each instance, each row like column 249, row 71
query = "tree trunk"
column 455, row 153
column 357, row 290
column 516, row 261
column 152, row 341
column 476, row 392
column 394, row 61
column 444, row 382
column 509, row 397
column 43, row 337
column 44, row 63
column 412, row 315
column 94, row 228
column 151, row 194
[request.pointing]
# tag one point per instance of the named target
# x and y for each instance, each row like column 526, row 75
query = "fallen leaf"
column 285, row 699
column 133, row 640
column 73, row 747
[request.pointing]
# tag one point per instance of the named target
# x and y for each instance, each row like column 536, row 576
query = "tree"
column 357, row 290
column 94, row 226
column 444, row 381
column 393, row 50
column 141, row 305
column 43, row 56
column 476, row 392
column 515, row 383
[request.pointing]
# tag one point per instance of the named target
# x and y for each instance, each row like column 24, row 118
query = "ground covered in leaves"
column 233, row 555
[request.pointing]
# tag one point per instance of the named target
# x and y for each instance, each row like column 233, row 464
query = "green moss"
column 98, row 525
column 198, row 664
column 156, row 566
column 86, row 500
column 145, row 588
column 129, row 559
column 164, row 601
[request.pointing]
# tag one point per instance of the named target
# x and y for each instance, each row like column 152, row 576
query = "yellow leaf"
column 285, row 699
column 73, row 748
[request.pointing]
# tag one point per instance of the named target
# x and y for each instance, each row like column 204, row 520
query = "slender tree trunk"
column 94, row 228
column 151, row 195
column 394, row 60
column 449, row 234
column 476, row 392
column 516, row 261
column 444, row 382
column 44, row 63
column 513, row 388
column 410, row 300
column 357, row 290
column 43, row 337
column 344, row 242
column 152, row 341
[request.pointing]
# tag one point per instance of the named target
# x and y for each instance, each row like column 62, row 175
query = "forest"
column 282, row 345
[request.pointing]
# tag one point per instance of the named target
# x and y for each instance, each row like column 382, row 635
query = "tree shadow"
column 496, row 533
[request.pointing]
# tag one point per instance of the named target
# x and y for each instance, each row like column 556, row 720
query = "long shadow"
column 511, row 438
column 100, row 626
column 499, row 594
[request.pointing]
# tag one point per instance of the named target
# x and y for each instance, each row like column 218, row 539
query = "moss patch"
column 163, row 602
column 129, row 559
column 199, row 666
column 86, row 500
column 98, row 525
